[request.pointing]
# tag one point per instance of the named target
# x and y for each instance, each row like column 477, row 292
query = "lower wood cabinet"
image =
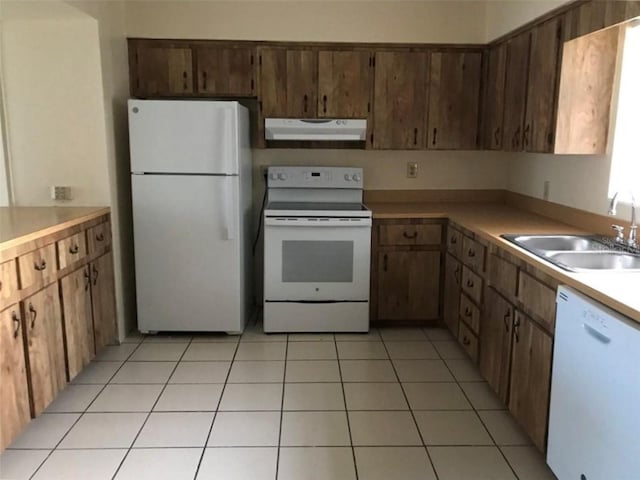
column 14, row 393
column 78, row 320
column 531, row 378
column 45, row 346
column 103, row 301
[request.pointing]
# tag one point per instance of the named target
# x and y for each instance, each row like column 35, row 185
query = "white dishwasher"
column 594, row 418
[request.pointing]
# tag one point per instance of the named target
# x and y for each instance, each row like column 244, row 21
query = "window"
column 625, row 161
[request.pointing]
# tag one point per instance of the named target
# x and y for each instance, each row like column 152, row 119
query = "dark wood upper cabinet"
column 344, row 84
column 515, row 95
column 400, row 99
column 539, row 125
column 454, row 100
column 226, row 71
column 493, row 105
column 161, row 69
column 288, row 82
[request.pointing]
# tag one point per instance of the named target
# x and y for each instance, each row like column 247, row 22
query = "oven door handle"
column 317, row 223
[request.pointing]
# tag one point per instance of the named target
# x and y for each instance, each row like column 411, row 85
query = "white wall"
column 507, row 15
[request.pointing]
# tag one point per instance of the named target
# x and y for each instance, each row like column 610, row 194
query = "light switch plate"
column 412, row 170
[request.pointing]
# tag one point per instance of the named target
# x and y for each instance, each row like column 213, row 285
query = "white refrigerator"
column 191, row 194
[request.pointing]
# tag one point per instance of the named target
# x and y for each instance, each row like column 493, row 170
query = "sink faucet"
column 632, row 241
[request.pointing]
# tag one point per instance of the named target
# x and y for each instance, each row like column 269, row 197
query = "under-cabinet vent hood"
column 315, row 129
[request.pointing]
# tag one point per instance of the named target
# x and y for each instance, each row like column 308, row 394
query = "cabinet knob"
column 16, row 324
column 506, row 320
column 454, row 240
column 471, row 253
column 525, row 135
column 415, row 136
column 73, row 249
column 466, row 341
column 470, row 283
column 306, row 101
column 87, row 278
column 34, row 314
column 467, row 312
column 40, row 266
column 435, row 136
column 324, row 103
column 204, row 80
column 95, row 275
column 100, row 237
column 496, row 137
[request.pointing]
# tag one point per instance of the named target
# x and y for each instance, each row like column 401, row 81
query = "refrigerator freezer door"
column 188, row 264
column 171, row 136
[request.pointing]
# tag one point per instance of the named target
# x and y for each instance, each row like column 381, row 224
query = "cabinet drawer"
column 537, row 299
column 468, row 341
column 469, row 313
column 8, row 281
column 472, row 285
column 473, row 254
column 37, row 265
column 502, row 275
column 71, row 249
column 98, row 237
column 420, row 234
column 454, row 242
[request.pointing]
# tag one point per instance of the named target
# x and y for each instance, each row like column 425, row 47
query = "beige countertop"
column 23, row 224
column 618, row 290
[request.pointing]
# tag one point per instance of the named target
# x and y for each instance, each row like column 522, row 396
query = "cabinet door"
column 45, row 345
column 288, row 83
column 515, row 91
column 408, row 285
column 162, row 70
column 454, row 100
column 539, row 126
column 399, row 100
column 78, row 320
column 225, row 71
column 14, row 393
column 494, row 97
column 531, row 378
column 453, row 272
column 344, row 84
column 495, row 343
column 103, row 301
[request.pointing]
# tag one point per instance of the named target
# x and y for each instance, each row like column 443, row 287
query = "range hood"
column 315, row 129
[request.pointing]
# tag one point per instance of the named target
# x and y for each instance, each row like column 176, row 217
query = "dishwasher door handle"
column 596, row 334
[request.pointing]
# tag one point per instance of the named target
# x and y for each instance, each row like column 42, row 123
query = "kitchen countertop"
column 619, row 291
column 22, row 224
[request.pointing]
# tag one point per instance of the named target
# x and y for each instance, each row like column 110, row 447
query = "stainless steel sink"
column 578, row 253
column 578, row 261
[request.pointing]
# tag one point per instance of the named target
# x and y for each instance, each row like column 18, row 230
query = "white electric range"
column 317, row 246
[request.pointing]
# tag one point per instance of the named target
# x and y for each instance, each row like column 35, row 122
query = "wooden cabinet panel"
column 454, row 242
column 586, row 91
column 493, row 106
column 411, row 234
column 71, row 249
column 468, row 341
column 473, row 254
column 45, row 345
column 454, row 100
column 162, row 70
column 537, row 299
column 452, row 279
column 98, row 237
column 503, row 276
column 408, row 285
column 288, row 82
column 14, row 393
column 103, row 301
column 495, row 343
column 8, row 282
column 539, row 126
column 37, row 265
column 400, row 100
column 472, row 285
column 226, row 71
column 469, row 313
column 531, row 378
column 515, row 91
column 344, row 84
column 78, row 320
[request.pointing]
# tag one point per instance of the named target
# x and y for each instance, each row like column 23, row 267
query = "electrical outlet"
column 60, row 193
column 412, row 170
column 545, row 193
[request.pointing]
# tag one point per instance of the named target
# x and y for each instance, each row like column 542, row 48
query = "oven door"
column 317, row 259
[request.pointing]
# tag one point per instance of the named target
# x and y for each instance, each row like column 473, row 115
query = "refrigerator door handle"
column 228, row 209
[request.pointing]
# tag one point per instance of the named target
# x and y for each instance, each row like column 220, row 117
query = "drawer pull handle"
column 40, row 267
column 466, row 341
column 471, row 253
column 470, row 283
column 410, row 236
column 100, row 237
column 16, row 322
column 34, row 315
column 74, row 249
column 467, row 312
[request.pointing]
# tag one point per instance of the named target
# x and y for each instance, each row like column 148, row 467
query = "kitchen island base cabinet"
column 14, row 394
column 45, row 346
column 103, row 301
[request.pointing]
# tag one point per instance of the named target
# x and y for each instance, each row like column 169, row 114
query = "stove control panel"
column 315, row 177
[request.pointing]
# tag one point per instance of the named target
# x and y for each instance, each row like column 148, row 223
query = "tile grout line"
column 284, row 381
column 346, row 410
column 82, row 414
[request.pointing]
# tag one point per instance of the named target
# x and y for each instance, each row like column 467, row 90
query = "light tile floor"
column 400, row 404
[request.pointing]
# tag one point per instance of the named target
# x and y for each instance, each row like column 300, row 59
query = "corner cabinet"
column 406, row 271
